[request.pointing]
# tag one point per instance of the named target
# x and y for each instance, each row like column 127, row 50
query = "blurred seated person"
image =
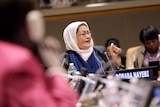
column 113, row 52
column 150, row 51
column 23, row 81
column 79, row 45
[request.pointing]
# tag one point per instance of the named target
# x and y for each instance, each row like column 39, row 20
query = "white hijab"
column 69, row 36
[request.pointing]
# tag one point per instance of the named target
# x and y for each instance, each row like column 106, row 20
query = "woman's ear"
column 35, row 26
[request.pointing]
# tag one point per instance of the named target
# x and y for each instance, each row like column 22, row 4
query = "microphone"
column 109, row 61
column 105, row 66
column 80, row 84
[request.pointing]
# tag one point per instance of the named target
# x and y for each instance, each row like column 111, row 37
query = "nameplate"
column 149, row 72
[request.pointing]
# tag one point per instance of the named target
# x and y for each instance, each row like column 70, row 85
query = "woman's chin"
column 86, row 47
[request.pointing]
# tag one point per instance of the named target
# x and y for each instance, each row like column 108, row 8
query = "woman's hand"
column 113, row 52
column 115, row 49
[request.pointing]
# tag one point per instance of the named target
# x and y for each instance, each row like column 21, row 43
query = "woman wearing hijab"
column 79, row 46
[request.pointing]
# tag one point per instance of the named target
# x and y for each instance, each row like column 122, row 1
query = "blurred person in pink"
column 23, row 82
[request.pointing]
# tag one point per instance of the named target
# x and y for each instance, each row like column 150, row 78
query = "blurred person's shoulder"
column 13, row 55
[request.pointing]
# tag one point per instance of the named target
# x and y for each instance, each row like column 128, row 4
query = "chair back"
column 130, row 56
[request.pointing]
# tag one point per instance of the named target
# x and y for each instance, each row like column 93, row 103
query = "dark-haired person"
column 22, row 79
column 150, row 51
column 112, row 40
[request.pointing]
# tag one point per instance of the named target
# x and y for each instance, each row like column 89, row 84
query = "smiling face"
column 83, row 37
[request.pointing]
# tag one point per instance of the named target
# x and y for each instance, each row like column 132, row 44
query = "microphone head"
column 35, row 25
column 84, row 72
column 65, row 55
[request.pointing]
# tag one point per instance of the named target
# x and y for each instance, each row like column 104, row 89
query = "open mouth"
column 87, row 41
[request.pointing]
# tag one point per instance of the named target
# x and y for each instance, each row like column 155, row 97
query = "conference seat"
column 130, row 57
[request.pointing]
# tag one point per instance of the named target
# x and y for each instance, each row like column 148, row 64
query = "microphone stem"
column 109, row 61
